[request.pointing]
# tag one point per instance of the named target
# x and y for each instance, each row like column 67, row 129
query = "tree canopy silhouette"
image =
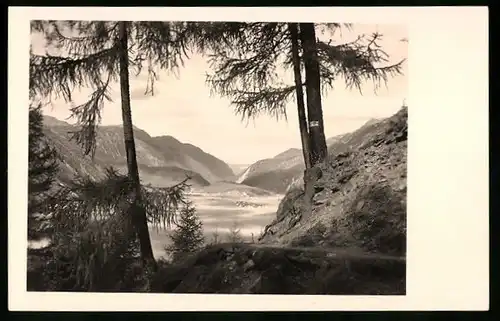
column 245, row 67
column 96, row 55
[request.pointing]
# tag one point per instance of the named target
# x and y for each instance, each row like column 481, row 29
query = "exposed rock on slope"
column 360, row 198
column 277, row 173
column 163, row 161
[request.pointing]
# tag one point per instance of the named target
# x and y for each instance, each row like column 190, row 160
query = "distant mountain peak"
column 162, row 160
column 168, row 138
column 52, row 121
column 289, row 152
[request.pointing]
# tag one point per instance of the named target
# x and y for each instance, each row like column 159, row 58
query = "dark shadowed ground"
column 265, row 269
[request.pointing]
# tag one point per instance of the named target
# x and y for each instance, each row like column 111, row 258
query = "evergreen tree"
column 188, row 236
column 234, row 234
column 317, row 140
column 215, row 236
column 94, row 239
column 299, row 93
column 245, row 58
column 42, row 170
column 95, row 54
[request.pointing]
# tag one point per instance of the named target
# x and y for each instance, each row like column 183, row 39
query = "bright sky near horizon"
column 183, row 107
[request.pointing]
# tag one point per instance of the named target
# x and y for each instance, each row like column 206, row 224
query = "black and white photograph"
column 217, row 157
column 231, row 157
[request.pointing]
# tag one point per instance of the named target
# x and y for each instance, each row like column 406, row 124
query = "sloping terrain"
column 238, row 169
column 359, row 199
column 163, row 161
column 276, row 174
column 282, row 162
column 345, row 234
column 193, row 158
column 262, row 269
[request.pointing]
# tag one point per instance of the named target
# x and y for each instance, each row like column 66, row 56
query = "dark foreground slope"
column 264, row 269
column 257, row 269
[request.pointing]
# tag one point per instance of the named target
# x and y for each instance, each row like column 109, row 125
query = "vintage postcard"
column 170, row 152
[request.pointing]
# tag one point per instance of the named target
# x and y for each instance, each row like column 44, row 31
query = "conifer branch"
column 356, row 62
column 244, row 73
column 87, row 200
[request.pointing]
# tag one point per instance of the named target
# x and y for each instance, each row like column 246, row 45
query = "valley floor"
column 220, row 212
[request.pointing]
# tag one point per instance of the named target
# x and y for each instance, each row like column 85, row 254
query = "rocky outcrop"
column 358, row 195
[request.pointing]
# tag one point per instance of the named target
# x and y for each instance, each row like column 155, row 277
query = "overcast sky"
column 183, row 107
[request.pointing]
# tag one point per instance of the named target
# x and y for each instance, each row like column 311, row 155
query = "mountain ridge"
column 162, row 160
column 278, row 172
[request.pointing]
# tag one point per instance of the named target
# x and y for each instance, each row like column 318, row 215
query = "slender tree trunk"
column 313, row 92
column 137, row 209
column 304, row 133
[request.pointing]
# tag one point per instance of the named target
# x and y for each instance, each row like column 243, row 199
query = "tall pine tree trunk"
column 137, row 210
column 313, row 92
column 304, row 134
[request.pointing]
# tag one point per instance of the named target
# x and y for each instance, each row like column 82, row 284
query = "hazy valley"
column 266, row 202
column 164, row 161
column 245, row 197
